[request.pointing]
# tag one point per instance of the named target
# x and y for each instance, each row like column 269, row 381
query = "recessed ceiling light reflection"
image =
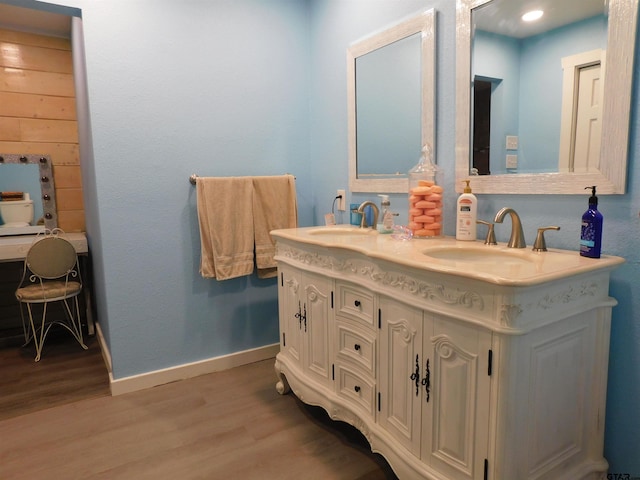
column 532, row 16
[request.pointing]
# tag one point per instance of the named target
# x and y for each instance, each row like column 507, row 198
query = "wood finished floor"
column 226, row 425
column 66, row 373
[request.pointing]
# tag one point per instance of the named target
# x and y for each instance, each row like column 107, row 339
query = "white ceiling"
column 503, row 16
column 35, row 21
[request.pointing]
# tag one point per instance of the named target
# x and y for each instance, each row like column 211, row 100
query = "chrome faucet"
column 517, row 235
column 376, row 212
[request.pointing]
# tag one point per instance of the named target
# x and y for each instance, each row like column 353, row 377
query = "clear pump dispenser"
column 386, row 226
column 426, row 197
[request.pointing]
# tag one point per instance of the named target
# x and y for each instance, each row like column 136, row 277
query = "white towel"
column 225, row 214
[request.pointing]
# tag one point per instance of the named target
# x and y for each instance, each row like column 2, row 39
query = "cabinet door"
column 305, row 314
column 290, row 308
column 400, row 384
column 455, row 424
column 317, row 312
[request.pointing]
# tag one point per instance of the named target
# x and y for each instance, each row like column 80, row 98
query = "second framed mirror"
column 543, row 106
column 391, row 94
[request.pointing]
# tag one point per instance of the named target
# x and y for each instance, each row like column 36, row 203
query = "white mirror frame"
column 611, row 179
column 425, row 24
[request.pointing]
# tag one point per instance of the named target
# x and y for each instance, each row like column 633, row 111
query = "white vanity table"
column 14, row 249
column 456, row 360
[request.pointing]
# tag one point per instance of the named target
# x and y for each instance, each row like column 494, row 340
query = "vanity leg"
column 282, row 386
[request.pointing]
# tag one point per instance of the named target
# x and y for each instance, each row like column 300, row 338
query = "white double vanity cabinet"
column 456, row 360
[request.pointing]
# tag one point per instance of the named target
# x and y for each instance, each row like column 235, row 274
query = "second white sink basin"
column 501, row 263
column 483, row 254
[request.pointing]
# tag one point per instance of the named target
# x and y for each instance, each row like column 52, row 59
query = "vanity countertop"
column 496, row 264
column 15, row 248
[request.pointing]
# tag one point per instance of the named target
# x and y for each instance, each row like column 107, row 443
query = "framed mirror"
column 391, row 96
column 30, row 175
column 549, row 153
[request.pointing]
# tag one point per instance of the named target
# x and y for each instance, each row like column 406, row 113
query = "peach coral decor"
column 425, row 209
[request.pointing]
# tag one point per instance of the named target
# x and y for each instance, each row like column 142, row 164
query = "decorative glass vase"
column 426, row 197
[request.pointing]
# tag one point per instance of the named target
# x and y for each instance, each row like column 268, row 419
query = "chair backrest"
column 51, row 257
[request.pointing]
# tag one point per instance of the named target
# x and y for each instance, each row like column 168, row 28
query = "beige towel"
column 274, row 206
column 225, row 214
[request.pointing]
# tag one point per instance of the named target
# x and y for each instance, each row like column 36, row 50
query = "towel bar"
column 193, row 177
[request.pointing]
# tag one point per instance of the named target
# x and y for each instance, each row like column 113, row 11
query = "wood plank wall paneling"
column 24, row 105
column 38, row 113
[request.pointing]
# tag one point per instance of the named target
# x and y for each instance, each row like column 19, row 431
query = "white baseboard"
column 182, row 372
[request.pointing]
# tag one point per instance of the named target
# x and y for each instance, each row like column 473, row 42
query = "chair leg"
column 74, row 321
column 26, row 327
column 78, row 323
column 38, row 335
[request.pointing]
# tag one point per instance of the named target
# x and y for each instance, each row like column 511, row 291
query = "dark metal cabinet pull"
column 356, row 347
column 426, row 381
column 299, row 315
column 302, row 316
column 356, row 388
column 415, row 376
column 357, row 303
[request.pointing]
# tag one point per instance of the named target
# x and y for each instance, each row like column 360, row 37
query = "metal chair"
column 51, row 274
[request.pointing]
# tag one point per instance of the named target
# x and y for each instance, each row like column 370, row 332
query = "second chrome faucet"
column 517, row 235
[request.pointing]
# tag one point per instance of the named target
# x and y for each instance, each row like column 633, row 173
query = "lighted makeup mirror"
column 31, row 174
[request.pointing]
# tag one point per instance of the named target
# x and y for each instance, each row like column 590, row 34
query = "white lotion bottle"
column 466, row 215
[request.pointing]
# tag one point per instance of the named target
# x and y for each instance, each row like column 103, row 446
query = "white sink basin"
column 342, row 230
column 485, row 254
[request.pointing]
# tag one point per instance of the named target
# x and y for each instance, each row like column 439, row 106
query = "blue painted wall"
column 213, row 88
column 234, row 87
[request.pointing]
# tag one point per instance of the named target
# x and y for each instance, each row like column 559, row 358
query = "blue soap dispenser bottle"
column 591, row 232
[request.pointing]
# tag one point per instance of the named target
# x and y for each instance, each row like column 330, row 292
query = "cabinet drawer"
column 356, row 346
column 355, row 302
column 358, row 389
